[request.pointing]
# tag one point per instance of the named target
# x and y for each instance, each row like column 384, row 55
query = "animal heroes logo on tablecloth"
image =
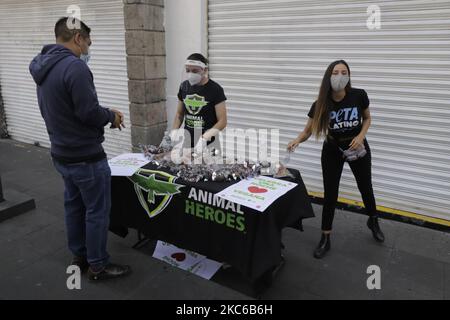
column 159, row 188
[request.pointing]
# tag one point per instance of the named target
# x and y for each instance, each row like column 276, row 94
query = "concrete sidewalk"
column 414, row 261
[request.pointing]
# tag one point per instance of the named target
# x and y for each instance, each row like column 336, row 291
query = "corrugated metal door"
column 26, row 26
column 270, row 57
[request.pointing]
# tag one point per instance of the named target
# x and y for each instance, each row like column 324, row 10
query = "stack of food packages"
column 210, row 165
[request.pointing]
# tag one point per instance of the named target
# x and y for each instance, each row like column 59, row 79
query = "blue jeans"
column 87, row 204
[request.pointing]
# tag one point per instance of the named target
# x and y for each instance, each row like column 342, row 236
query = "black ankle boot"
column 323, row 247
column 372, row 224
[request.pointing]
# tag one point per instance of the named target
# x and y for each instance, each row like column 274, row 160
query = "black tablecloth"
column 247, row 239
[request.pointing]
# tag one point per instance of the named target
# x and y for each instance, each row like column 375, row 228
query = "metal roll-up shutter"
column 270, row 57
column 26, row 26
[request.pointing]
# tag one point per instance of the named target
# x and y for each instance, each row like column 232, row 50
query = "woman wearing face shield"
column 341, row 114
column 201, row 106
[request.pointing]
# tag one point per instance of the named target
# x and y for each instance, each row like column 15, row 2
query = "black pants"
column 332, row 165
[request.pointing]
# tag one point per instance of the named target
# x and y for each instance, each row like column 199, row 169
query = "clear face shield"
column 194, row 71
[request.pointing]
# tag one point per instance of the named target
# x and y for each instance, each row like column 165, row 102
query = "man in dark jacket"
column 75, row 120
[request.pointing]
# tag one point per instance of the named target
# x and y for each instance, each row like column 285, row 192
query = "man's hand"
column 118, row 120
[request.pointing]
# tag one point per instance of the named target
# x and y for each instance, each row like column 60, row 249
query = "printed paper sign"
column 127, row 164
column 186, row 260
column 257, row 193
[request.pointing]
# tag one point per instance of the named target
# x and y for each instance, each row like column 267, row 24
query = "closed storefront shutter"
column 28, row 25
column 270, row 57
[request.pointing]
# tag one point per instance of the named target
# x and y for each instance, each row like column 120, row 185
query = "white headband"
column 195, row 63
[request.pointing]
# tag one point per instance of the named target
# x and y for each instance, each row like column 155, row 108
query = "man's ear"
column 76, row 39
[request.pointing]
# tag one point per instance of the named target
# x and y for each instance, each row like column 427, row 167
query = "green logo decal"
column 145, row 181
column 194, row 103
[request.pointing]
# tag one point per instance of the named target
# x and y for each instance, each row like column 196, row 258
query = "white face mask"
column 194, row 78
column 86, row 56
column 339, row 81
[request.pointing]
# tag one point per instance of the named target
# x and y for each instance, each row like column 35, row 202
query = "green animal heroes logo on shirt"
column 194, row 103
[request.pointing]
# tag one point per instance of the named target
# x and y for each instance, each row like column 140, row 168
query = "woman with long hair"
column 341, row 114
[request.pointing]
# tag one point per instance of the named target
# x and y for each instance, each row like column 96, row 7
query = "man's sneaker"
column 111, row 271
column 80, row 262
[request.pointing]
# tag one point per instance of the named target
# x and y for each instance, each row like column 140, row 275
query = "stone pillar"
column 146, row 61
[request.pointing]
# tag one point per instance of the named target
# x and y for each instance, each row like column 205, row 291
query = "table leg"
column 266, row 280
column 142, row 240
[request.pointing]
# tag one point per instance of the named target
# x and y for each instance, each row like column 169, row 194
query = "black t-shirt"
column 346, row 115
column 199, row 104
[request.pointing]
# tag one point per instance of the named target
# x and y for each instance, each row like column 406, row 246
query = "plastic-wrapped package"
column 281, row 169
column 153, row 152
column 166, row 141
column 286, row 159
column 211, row 167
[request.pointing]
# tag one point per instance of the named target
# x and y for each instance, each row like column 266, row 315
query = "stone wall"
column 146, row 61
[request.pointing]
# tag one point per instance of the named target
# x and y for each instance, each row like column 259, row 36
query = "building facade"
column 270, row 56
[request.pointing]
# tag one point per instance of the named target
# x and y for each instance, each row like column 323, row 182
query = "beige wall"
column 185, row 30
